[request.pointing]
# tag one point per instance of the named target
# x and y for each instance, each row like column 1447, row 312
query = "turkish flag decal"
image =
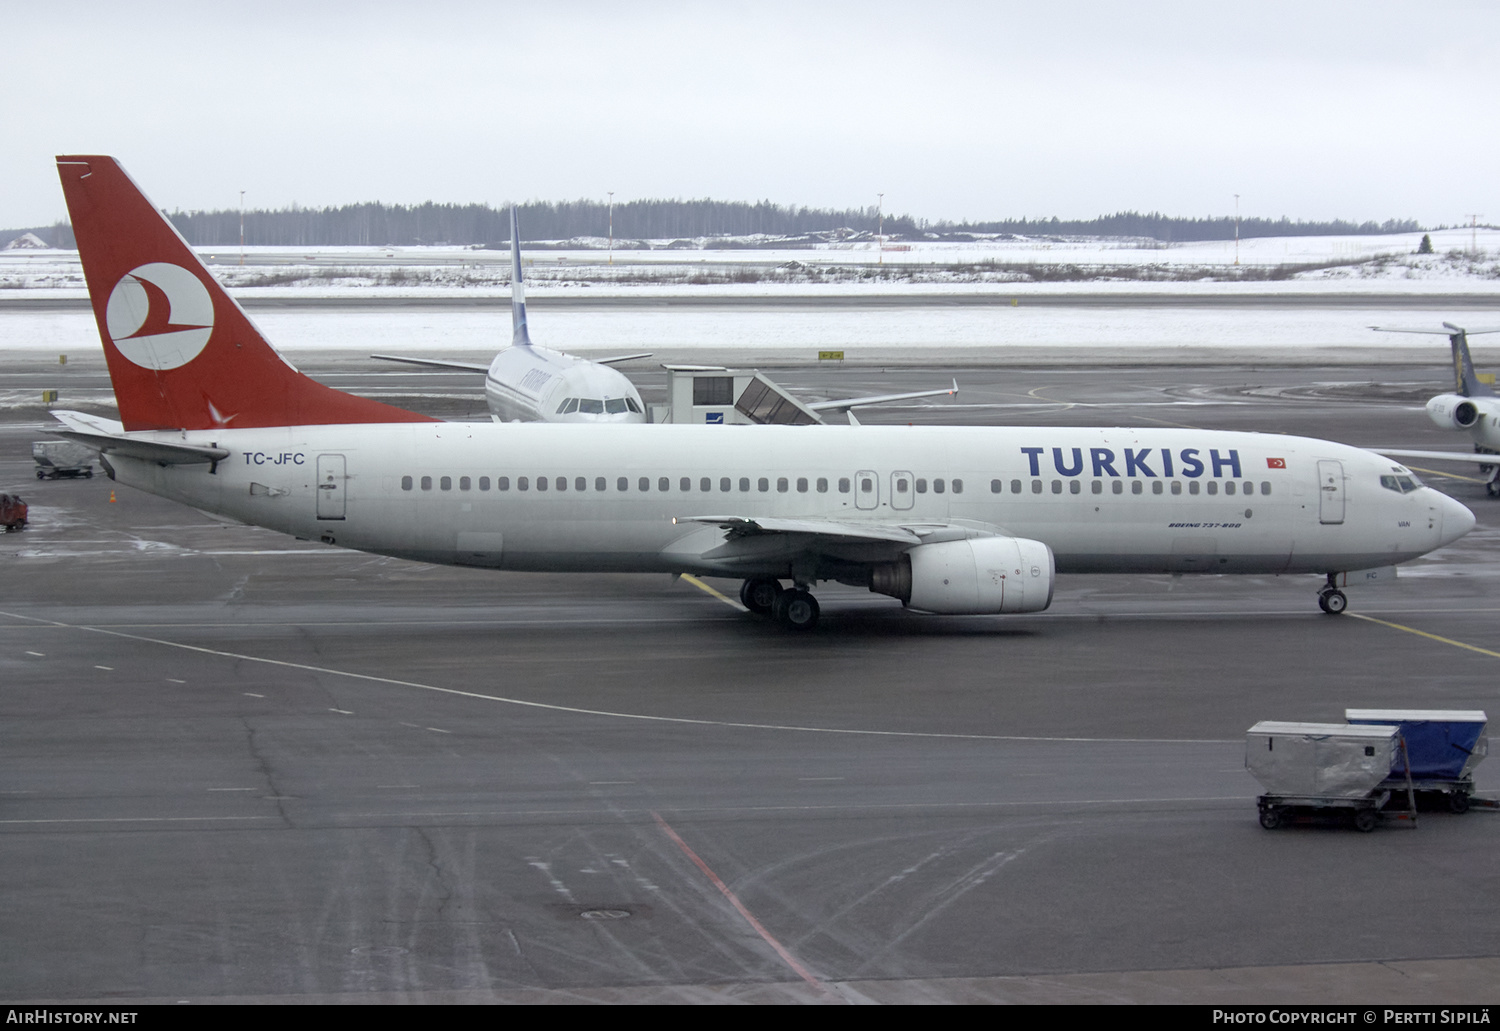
column 1276, row 463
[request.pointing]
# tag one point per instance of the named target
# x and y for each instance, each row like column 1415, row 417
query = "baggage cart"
column 12, row 513
column 1321, row 768
column 58, row 459
column 1442, row 748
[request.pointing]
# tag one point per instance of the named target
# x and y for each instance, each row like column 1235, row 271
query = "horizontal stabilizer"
column 109, row 438
column 621, row 358
column 434, row 363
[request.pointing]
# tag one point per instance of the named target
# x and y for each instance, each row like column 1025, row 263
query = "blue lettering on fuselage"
column 1070, row 461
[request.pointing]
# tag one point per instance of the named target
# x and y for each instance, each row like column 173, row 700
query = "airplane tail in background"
column 1466, row 382
column 519, row 336
column 182, row 354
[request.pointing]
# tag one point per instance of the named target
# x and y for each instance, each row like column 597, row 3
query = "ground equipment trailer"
column 1442, row 748
column 1330, row 768
column 57, row 459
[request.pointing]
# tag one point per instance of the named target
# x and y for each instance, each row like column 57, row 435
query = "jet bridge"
column 712, row 394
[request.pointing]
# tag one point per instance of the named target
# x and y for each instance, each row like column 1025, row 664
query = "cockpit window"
column 590, row 406
column 570, row 405
column 1404, row 484
column 630, row 403
column 615, row 405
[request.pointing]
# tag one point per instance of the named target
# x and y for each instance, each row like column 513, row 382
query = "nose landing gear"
column 1332, row 600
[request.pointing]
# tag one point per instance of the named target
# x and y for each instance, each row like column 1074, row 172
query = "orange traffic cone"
column 111, row 497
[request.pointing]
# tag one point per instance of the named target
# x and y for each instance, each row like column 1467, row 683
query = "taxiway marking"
column 690, row 578
column 1424, row 633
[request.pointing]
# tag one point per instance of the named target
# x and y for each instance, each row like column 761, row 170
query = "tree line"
column 376, row 224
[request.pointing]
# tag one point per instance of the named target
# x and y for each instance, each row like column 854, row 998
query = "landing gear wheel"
column 1493, row 488
column 41, row 475
column 796, row 609
column 1458, row 803
column 1332, row 602
column 1365, row 820
column 1270, row 819
column 759, row 596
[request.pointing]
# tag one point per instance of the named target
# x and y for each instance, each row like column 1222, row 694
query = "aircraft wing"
column 1466, row 457
column 844, row 404
column 434, row 363
column 108, row 437
column 742, row 526
column 620, row 358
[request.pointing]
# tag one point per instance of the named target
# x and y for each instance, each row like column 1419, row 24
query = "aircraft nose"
column 1457, row 520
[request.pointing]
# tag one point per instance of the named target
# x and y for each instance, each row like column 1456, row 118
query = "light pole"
column 1236, row 229
column 611, row 227
column 242, row 229
column 880, row 228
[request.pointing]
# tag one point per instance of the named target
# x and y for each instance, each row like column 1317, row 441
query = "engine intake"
column 978, row 576
column 1453, row 411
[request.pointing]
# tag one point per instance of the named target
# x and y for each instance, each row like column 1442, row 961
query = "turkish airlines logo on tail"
column 160, row 316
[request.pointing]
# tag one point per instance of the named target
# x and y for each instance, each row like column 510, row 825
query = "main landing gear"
column 1332, row 600
column 795, row 608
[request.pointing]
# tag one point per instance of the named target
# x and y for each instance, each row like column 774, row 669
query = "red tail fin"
column 182, row 353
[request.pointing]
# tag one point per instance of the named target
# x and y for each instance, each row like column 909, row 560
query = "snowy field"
column 751, row 329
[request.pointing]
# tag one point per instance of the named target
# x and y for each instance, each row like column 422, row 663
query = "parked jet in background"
column 961, row 520
column 1473, row 406
column 528, row 383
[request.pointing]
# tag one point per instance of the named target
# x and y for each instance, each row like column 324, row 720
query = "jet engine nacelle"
column 978, row 576
column 1453, row 411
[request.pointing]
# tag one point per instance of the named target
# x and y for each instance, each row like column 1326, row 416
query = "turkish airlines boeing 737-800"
column 947, row 519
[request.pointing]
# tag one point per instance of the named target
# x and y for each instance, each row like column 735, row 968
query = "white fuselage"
column 527, row 383
column 1104, row 500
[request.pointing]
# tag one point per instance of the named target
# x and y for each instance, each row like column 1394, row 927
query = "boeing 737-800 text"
column 966, row 520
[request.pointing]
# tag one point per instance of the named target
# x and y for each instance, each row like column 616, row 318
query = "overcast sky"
column 1314, row 110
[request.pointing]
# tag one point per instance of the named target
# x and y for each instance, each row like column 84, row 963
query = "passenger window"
column 541, row 483
column 1074, row 487
column 1117, row 487
column 958, row 486
column 705, row 484
column 1213, row 486
column 600, row 483
column 1136, row 486
column 822, row 485
column 762, row 484
column 1176, row 486
column 1156, row 487
column 1265, row 486
column 663, row 483
column 1248, row 486
column 446, row 483
column 1098, row 487
column 484, row 483
column 782, row 486
column 685, row 484
column 1015, row 486
column 802, row 485
column 406, row 483
column 902, row 485
column 1192, row 486
column 921, row 485
column 502, row 483
column 581, row 483
column 1036, row 486
column 744, row 483
column 866, row 485
column 562, row 483
column 622, row 484
column 724, row 484
column 522, row 483
column 464, row 483
column 1056, row 486
column 843, row 485
column 644, row 484
column 994, row 486
column 937, row 486
column 1229, row 487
